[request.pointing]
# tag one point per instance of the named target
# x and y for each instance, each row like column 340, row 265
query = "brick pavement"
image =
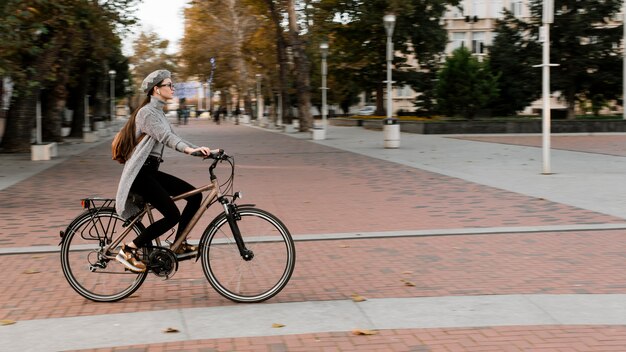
column 317, row 189
column 313, row 188
column 480, row 339
column 598, row 143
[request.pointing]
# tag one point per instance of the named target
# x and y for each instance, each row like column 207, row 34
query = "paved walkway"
column 457, row 242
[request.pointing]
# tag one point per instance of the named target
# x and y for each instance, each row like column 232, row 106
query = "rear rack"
column 97, row 203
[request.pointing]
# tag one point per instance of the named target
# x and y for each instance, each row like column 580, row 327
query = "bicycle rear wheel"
column 259, row 278
column 90, row 271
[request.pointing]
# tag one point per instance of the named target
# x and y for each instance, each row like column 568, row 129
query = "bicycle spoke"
column 255, row 279
column 79, row 252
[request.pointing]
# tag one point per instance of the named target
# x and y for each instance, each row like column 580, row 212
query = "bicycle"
column 247, row 254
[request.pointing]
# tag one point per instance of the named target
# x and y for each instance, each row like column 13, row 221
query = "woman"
column 141, row 174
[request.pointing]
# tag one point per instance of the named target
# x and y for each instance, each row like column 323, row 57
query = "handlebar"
column 217, row 155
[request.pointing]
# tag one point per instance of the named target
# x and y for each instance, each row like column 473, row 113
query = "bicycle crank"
column 162, row 262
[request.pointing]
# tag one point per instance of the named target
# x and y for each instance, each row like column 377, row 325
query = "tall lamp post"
column 624, row 64
column 324, row 51
column 112, row 84
column 544, row 35
column 391, row 128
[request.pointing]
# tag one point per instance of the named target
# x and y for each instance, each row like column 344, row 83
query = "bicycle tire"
column 260, row 278
column 82, row 244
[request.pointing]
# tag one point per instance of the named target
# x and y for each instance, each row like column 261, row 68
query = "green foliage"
column 54, row 46
column 357, row 39
column 586, row 46
column 465, row 85
column 512, row 56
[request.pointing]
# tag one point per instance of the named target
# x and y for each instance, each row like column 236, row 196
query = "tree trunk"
column 20, row 122
column 281, row 54
column 303, row 85
column 52, row 119
column 77, row 104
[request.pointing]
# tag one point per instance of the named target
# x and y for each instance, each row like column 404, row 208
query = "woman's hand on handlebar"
column 201, row 151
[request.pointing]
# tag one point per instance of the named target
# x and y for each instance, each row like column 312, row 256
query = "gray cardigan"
column 152, row 121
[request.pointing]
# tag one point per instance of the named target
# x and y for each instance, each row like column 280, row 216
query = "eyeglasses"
column 171, row 85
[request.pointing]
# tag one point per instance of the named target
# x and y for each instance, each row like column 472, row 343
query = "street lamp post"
column 624, row 64
column 324, row 51
column 548, row 18
column 112, row 84
column 391, row 128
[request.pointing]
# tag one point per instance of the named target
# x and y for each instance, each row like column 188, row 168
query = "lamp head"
column 324, row 48
column 390, row 22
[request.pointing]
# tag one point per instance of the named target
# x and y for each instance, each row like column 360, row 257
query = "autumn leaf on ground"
column 7, row 322
column 277, row 325
column 170, row 330
column 31, row 271
column 407, row 283
column 364, row 332
column 358, row 298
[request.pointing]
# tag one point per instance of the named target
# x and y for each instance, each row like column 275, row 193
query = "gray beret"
column 154, row 78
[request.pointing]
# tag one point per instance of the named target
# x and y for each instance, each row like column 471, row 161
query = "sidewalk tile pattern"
column 317, row 189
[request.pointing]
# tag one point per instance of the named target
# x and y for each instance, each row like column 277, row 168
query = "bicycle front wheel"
column 90, row 271
column 248, row 280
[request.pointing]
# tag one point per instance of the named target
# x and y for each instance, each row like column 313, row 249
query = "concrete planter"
column 43, row 151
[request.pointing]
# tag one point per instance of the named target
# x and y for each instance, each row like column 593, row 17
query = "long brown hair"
column 127, row 138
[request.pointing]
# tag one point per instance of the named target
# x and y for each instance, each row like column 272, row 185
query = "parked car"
column 367, row 110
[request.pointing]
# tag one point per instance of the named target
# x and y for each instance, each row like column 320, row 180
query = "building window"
column 478, row 42
column 496, row 9
column 516, row 8
column 458, row 40
column 478, row 8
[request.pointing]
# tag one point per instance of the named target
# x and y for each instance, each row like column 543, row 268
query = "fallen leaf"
column 31, row 271
column 277, row 325
column 170, row 330
column 364, row 332
column 358, row 298
column 408, row 283
column 7, row 322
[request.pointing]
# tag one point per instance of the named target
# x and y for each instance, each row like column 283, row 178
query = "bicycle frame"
column 215, row 193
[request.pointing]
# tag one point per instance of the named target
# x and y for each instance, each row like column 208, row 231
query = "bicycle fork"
column 232, row 216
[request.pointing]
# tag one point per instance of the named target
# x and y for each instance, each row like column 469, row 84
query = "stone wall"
column 475, row 127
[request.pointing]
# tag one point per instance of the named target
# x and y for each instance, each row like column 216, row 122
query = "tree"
column 586, row 46
column 465, row 85
column 237, row 33
column 512, row 57
column 41, row 49
column 301, row 60
column 358, row 39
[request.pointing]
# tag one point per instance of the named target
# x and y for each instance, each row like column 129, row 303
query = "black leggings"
column 157, row 188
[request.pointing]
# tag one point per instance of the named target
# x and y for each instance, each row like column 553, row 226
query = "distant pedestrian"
column 141, row 173
column 237, row 113
column 216, row 116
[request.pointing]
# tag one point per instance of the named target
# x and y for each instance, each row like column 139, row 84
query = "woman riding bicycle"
column 145, row 136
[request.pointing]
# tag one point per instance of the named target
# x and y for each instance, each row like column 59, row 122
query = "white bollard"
column 319, row 134
column 392, row 136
